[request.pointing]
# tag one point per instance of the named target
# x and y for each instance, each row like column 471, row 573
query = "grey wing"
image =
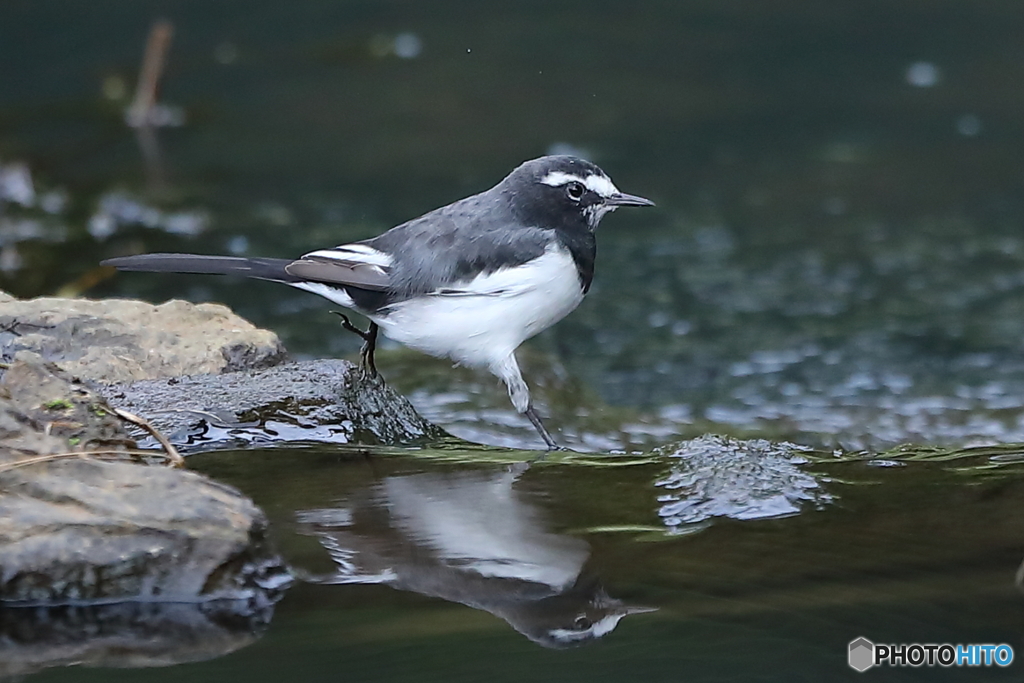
column 452, row 245
column 354, row 265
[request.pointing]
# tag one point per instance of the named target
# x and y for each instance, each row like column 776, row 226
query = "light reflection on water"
column 790, row 400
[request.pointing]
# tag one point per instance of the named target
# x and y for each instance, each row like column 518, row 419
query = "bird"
column 470, row 281
column 472, row 537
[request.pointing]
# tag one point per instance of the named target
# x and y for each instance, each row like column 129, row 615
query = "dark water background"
column 837, row 258
column 836, row 255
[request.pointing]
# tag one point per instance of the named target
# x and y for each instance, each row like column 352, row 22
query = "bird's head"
column 564, row 191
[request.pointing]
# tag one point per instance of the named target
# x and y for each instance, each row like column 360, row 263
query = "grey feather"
column 260, row 268
column 456, row 243
column 333, row 271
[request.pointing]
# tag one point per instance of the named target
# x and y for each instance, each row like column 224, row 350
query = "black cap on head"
column 564, row 190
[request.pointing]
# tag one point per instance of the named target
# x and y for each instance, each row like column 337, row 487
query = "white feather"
column 593, row 182
column 354, row 254
column 601, row 627
column 482, row 321
column 335, row 294
column 601, row 185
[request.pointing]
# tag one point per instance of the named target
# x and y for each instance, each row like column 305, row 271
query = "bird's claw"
column 369, row 337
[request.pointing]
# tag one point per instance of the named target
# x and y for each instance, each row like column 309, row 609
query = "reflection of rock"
column 721, row 477
column 471, row 538
column 126, row 634
column 120, row 340
column 84, row 529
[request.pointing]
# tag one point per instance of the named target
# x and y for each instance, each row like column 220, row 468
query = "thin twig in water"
column 144, row 114
column 140, row 113
column 172, row 452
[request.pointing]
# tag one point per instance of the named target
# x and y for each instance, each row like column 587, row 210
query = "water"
column 836, row 260
column 458, row 565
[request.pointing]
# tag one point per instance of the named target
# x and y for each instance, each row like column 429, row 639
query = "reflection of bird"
column 469, row 281
column 470, row 538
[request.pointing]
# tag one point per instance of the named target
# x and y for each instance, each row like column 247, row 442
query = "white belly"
column 491, row 315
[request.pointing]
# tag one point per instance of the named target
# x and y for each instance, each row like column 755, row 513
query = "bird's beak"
column 623, row 199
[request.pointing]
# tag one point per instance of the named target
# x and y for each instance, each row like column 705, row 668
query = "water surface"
column 458, row 565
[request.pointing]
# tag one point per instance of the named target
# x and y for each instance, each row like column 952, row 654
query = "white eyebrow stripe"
column 601, row 185
column 595, row 183
column 556, row 178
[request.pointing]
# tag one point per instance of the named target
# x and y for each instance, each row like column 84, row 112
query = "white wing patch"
column 594, row 182
column 353, row 254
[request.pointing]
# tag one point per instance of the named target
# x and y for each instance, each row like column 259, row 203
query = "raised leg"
column 369, row 338
column 519, row 393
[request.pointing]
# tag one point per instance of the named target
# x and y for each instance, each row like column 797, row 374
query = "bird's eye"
column 575, row 191
column 582, row 623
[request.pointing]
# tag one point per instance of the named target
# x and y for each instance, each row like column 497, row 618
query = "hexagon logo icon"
column 862, row 654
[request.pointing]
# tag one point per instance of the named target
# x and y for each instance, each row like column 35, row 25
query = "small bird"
column 469, row 281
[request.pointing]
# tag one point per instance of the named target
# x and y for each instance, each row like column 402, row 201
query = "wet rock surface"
column 120, row 340
column 204, row 375
column 322, row 400
column 76, row 529
column 714, row 476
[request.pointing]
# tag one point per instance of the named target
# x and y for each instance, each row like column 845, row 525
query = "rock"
column 715, row 476
column 226, row 382
column 82, row 528
column 121, row 340
column 323, row 400
column 46, row 411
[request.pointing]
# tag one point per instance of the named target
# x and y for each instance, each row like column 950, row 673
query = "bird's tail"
column 260, row 268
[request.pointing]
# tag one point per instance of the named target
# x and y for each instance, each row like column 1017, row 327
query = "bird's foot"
column 369, row 337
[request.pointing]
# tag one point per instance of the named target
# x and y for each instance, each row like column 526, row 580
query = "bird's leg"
column 508, row 370
column 366, row 362
column 541, row 429
column 369, row 346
